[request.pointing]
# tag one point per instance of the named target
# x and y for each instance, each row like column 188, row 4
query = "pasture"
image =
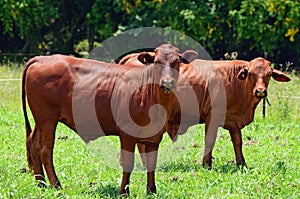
column 271, row 149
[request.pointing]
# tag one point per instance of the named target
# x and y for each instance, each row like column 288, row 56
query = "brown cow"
column 244, row 84
column 227, row 92
column 96, row 98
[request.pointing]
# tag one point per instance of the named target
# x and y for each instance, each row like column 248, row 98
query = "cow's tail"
column 27, row 123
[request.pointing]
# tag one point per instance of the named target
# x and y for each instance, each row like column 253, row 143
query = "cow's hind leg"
column 29, row 151
column 33, row 143
column 47, row 137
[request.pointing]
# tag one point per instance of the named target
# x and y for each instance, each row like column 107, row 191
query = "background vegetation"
column 271, row 149
column 250, row 27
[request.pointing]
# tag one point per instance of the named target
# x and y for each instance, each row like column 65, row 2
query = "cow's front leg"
column 150, row 158
column 127, row 163
column 236, row 138
column 211, row 131
column 142, row 151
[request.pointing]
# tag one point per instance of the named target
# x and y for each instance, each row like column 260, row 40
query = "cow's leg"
column 29, row 150
column 34, row 161
column 47, row 136
column 211, row 131
column 142, row 151
column 127, row 162
column 150, row 156
column 236, row 138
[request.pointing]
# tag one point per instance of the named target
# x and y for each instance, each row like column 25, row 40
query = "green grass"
column 271, row 149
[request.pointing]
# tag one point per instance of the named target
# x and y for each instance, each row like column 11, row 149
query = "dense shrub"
column 250, row 27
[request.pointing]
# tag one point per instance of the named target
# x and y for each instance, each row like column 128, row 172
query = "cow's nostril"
column 167, row 85
column 260, row 93
column 171, row 84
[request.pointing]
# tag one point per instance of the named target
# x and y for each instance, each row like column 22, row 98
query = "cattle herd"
column 138, row 99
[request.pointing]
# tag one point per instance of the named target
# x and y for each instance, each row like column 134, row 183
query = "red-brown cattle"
column 227, row 92
column 96, row 98
column 242, row 84
column 132, row 59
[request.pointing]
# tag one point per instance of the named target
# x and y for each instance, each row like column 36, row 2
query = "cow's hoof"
column 242, row 167
column 24, row 170
column 56, row 185
column 207, row 166
column 41, row 184
column 124, row 195
column 241, row 162
column 151, row 189
column 207, row 162
column 124, row 192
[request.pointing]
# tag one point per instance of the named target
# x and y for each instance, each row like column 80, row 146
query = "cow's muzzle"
column 167, row 85
column 261, row 93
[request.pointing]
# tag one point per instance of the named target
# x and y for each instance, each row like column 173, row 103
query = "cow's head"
column 168, row 60
column 258, row 75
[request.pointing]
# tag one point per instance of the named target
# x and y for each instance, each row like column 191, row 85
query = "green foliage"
column 26, row 20
column 26, row 15
column 249, row 27
column 269, row 24
column 105, row 16
column 82, row 48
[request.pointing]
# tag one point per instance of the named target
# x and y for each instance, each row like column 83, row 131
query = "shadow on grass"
column 180, row 166
column 104, row 191
column 228, row 167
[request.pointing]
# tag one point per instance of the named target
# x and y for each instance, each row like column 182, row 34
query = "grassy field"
column 271, row 149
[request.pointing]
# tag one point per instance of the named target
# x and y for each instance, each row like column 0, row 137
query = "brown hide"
column 131, row 59
column 227, row 94
column 95, row 99
column 203, row 77
column 241, row 100
column 226, row 99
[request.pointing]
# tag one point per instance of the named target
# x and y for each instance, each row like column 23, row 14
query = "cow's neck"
column 241, row 103
column 250, row 103
column 253, row 101
column 150, row 92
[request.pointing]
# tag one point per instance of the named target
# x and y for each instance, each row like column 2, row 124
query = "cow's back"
column 49, row 80
column 91, row 97
column 56, row 84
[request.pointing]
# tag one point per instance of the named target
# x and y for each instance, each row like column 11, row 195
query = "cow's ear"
column 243, row 74
column 145, row 58
column 188, row 56
column 280, row 76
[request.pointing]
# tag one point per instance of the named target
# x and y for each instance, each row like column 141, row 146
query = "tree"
column 250, row 27
column 70, row 27
column 271, row 26
column 28, row 19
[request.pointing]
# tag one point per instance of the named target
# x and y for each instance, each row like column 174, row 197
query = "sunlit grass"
column 271, row 149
